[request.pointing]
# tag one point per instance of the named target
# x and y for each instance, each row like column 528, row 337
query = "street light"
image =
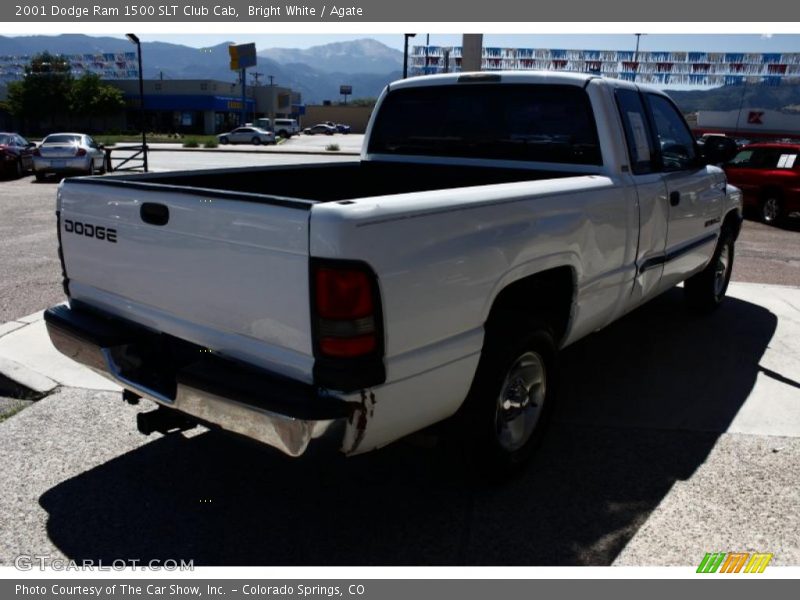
column 636, row 56
column 135, row 40
column 405, row 53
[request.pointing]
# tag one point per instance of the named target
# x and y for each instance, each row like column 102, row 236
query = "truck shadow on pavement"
column 643, row 404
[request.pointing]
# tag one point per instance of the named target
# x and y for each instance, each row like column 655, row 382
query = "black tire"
column 40, row 176
column 19, row 170
column 705, row 291
column 488, row 430
column 771, row 210
column 92, row 169
column 223, row 140
column 256, row 141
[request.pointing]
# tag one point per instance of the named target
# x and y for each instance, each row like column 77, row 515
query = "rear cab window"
column 637, row 133
column 519, row 122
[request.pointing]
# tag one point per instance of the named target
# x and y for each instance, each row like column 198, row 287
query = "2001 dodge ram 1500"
column 492, row 220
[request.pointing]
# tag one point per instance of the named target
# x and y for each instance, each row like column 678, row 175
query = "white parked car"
column 247, row 135
column 68, row 154
column 286, row 127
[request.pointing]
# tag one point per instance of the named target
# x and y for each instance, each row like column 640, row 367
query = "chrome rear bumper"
column 216, row 391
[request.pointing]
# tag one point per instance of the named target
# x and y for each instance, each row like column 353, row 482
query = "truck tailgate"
column 227, row 271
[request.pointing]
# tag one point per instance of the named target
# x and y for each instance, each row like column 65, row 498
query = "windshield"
column 531, row 122
column 62, row 139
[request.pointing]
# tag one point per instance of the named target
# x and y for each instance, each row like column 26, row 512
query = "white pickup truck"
column 349, row 304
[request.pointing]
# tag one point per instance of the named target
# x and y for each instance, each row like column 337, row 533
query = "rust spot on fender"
column 361, row 416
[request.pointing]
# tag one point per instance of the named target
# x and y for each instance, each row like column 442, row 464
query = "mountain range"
column 317, row 72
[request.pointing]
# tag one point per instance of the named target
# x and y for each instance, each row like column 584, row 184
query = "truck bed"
column 331, row 182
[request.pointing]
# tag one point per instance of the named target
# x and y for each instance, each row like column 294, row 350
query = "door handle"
column 154, row 214
column 674, row 198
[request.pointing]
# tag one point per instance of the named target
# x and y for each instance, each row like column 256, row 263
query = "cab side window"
column 637, row 132
column 674, row 138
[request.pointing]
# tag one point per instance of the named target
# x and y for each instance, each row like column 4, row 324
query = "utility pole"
column 405, row 53
column 256, row 76
column 243, row 114
column 636, row 57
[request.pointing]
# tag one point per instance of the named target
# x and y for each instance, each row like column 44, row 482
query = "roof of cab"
column 548, row 77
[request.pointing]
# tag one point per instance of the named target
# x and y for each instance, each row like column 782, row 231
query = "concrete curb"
column 28, row 358
column 26, row 377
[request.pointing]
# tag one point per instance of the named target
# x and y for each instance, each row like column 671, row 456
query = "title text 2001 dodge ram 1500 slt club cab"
column 492, row 220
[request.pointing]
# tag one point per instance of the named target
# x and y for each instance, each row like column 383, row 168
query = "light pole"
column 405, row 53
column 135, row 40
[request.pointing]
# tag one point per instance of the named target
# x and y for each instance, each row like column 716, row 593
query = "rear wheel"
column 256, row 141
column 40, row 176
column 706, row 290
column 511, row 399
column 223, row 140
column 19, row 169
column 771, row 210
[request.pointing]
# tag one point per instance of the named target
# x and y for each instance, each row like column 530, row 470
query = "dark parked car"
column 16, row 155
column 323, row 128
column 769, row 176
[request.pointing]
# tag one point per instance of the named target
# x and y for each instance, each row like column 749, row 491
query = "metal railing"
column 134, row 161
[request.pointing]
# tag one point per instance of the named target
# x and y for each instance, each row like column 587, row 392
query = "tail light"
column 80, row 152
column 346, row 311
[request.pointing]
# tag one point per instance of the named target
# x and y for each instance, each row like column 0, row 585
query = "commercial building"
column 654, row 67
column 202, row 106
column 749, row 123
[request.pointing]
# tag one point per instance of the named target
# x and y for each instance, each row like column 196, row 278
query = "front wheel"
column 223, row 140
column 511, row 399
column 705, row 291
column 256, row 141
column 20, row 170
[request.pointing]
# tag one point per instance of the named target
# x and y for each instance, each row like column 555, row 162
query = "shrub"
column 210, row 144
column 191, row 143
column 332, row 147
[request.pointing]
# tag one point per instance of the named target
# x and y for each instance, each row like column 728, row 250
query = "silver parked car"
column 68, row 153
column 247, row 135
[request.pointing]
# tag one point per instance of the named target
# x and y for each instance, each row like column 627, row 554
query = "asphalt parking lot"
column 680, row 436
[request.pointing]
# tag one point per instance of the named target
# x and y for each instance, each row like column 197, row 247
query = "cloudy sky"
column 708, row 42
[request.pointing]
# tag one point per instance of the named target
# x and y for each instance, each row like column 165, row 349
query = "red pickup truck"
column 769, row 176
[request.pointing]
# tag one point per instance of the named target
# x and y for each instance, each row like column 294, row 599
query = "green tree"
column 43, row 94
column 89, row 97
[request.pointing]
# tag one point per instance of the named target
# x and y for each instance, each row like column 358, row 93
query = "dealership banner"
column 730, row 587
column 711, row 11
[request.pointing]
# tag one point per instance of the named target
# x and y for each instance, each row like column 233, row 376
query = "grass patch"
column 332, row 148
column 11, row 412
column 152, row 138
